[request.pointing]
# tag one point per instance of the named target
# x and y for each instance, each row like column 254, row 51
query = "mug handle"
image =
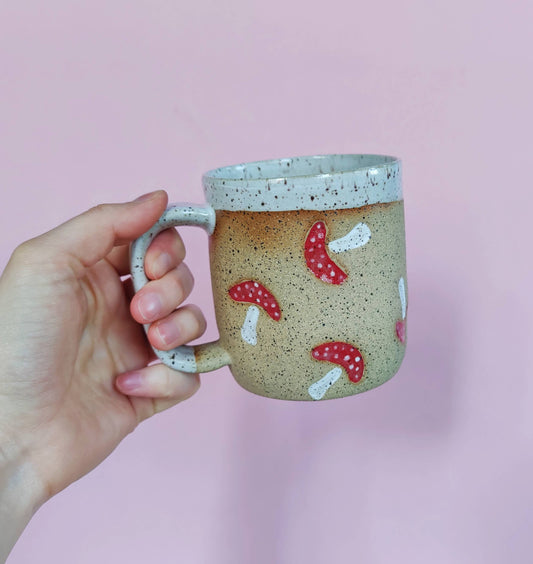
column 192, row 359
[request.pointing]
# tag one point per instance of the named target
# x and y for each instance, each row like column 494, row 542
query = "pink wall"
column 102, row 101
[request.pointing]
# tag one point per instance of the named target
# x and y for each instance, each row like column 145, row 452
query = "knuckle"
column 36, row 255
column 183, row 280
column 172, row 240
column 197, row 319
column 178, row 288
column 194, row 385
column 99, row 209
column 179, row 248
column 24, row 250
column 186, row 276
column 29, row 253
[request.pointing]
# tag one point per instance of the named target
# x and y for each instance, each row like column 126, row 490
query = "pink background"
column 102, row 101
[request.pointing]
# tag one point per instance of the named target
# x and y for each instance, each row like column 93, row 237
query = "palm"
column 84, row 338
column 66, row 334
column 74, row 379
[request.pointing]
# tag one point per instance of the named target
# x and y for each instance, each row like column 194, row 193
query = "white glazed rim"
column 352, row 181
column 228, row 173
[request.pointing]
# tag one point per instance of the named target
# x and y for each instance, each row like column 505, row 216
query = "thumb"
column 91, row 236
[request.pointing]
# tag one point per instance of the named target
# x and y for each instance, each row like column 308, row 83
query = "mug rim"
column 353, row 181
column 223, row 173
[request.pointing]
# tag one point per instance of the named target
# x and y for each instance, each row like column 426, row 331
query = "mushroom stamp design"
column 400, row 325
column 359, row 236
column 252, row 292
column 317, row 258
column 345, row 356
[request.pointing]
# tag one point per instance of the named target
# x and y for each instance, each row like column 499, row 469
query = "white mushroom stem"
column 248, row 329
column 403, row 297
column 357, row 237
column 318, row 389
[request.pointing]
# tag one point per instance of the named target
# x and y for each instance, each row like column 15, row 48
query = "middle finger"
column 160, row 297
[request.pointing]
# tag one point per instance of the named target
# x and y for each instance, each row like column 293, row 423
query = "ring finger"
column 184, row 325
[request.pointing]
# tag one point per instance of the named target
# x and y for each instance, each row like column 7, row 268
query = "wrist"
column 21, row 495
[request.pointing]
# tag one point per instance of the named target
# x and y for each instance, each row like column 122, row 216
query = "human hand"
column 74, row 379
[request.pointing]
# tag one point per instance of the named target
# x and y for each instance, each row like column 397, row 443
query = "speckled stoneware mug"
column 308, row 272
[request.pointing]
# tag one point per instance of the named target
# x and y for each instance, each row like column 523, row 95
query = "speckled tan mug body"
column 310, row 303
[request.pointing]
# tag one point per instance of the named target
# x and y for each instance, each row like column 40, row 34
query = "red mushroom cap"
column 252, row 292
column 344, row 355
column 400, row 330
column 317, row 258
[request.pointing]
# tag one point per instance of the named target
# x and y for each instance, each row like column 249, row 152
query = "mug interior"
column 299, row 167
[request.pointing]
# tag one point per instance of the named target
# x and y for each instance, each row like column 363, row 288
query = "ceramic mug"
column 307, row 260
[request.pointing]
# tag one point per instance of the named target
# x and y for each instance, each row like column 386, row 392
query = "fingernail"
column 149, row 306
column 169, row 333
column 147, row 196
column 130, row 381
column 163, row 263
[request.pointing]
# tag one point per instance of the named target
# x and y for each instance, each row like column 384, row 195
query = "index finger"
column 165, row 253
